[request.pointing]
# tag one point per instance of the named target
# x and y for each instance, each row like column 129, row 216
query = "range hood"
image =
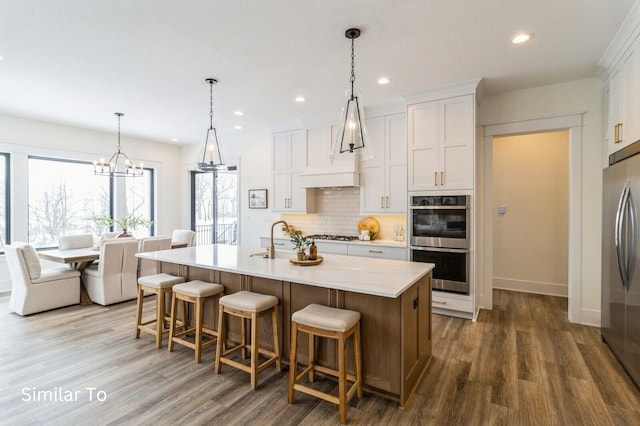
column 329, row 179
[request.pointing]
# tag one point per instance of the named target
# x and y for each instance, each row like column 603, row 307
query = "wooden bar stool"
column 160, row 285
column 196, row 292
column 332, row 323
column 248, row 306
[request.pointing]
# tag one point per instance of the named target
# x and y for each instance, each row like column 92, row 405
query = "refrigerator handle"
column 633, row 237
column 620, row 250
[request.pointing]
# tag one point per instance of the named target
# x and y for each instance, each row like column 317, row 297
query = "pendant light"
column 119, row 164
column 211, row 158
column 352, row 134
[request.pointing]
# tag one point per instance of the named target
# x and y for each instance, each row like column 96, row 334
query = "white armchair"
column 68, row 242
column 114, row 279
column 151, row 267
column 34, row 289
column 183, row 236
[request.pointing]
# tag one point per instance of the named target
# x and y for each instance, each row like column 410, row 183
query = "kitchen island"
column 393, row 297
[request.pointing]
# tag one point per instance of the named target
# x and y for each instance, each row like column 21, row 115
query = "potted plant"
column 300, row 242
column 127, row 223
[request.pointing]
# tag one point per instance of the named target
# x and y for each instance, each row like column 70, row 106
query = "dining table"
column 78, row 259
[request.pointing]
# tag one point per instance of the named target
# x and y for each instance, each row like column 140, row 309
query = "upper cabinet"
column 623, row 100
column 441, row 140
column 289, row 160
column 383, row 179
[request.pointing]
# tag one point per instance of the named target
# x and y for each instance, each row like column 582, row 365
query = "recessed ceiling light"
column 237, row 127
column 238, row 113
column 384, row 80
column 1, row 57
column 521, row 38
column 175, row 140
column 300, row 99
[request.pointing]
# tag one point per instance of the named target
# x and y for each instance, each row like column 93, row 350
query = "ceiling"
column 77, row 62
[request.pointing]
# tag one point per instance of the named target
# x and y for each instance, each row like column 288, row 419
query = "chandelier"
column 211, row 158
column 352, row 134
column 119, row 164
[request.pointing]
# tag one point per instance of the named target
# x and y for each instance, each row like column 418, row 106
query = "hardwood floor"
column 522, row 363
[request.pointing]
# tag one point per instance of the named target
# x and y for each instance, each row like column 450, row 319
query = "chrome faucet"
column 272, row 249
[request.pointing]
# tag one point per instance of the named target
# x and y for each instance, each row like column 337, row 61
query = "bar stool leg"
column 159, row 317
column 199, row 319
column 139, row 311
column 222, row 337
column 342, row 378
column 312, row 356
column 293, row 362
column 172, row 322
column 243, row 337
column 358, row 355
column 254, row 350
column 276, row 337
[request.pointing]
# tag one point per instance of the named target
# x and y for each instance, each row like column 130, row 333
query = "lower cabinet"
column 367, row 250
column 396, row 332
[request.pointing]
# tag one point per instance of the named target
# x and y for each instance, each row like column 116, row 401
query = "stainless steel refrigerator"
column 620, row 258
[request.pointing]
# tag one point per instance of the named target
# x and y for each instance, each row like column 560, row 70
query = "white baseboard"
column 590, row 317
column 550, row 289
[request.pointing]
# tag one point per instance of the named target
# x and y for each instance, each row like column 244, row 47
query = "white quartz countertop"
column 379, row 277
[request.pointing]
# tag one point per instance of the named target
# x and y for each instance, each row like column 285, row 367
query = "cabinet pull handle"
column 440, row 302
column 435, row 178
column 375, row 251
column 278, row 244
column 416, row 303
column 386, row 199
column 441, row 178
column 382, row 202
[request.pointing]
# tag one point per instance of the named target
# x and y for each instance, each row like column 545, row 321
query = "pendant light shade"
column 352, row 136
column 119, row 164
column 210, row 158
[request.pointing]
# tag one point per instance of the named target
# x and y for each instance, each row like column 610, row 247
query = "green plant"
column 127, row 223
column 299, row 241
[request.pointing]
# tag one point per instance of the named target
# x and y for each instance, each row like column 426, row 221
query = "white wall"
column 580, row 96
column 22, row 137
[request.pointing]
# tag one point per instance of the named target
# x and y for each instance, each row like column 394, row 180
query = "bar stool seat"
column 333, row 323
column 248, row 306
column 196, row 292
column 160, row 285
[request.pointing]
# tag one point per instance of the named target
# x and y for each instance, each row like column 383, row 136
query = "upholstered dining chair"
column 68, row 242
column 114, row 279
column 183, row 236
column 34, row 289
column 148, row 267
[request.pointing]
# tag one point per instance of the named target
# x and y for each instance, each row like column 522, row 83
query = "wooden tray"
column 295, row 261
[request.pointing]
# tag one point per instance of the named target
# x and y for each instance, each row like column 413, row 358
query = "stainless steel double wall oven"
column 440, row 234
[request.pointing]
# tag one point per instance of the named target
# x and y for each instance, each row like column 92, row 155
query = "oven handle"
column 439, row 207
column 441, row 249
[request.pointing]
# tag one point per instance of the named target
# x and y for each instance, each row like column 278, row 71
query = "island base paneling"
column 396, row 332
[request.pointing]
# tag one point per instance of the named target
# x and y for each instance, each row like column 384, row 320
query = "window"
column 4, row 200
column 215, row 209
column 65, row 196
column 139, row 199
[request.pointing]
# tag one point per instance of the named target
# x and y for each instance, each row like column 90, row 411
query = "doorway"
column 531, row 213
column 573, row 124
column 214, row 206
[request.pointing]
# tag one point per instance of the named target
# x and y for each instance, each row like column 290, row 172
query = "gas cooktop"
column 332, row 237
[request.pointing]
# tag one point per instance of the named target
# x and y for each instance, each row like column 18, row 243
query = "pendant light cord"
column 353, row 73
column 210, row 104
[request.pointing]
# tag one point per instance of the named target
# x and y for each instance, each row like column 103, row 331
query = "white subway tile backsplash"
column 338, row 212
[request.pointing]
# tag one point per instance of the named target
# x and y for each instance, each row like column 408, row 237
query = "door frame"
column 573, row 124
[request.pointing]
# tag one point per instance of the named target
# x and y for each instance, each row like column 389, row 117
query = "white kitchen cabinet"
column 383, row 179
column 441, row 140
column 289, row 159
column 623, row 100
column 374, row 250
